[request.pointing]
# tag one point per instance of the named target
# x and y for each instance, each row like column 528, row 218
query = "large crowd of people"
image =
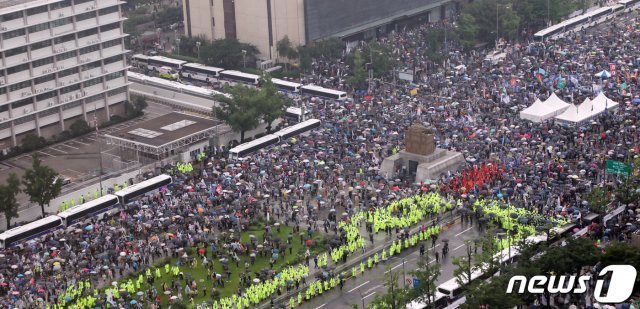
column 546, row 168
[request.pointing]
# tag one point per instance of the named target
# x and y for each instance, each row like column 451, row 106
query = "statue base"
column 424, row 167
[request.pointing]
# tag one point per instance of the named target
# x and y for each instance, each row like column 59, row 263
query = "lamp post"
column 244, row 58
column 95, row 119
column 198, row 43
column 178, row 45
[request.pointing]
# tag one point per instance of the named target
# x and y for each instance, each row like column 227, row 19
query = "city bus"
column 240, row 77
column 91, row 208
column 286, row 86
column 245, row 149
column 297, row 129
column 156, row 62
column 200, row 72
column 29, row 231
column 629, row 4
column 140, row 61
column 439, row 301
column 318, row 91
column 295, row 114
column 126, row 195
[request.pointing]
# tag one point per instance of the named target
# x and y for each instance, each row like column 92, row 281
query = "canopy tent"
column 601, row 103
column 603, row 74
column 580, row 113
column 541, row 111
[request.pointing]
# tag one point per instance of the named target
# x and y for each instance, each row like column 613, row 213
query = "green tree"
column 492, row 293
column 8, row 201
column 464, row 265
column 599, row 199
column 358, row 80
column 627, row 193
column 32, row 142
column 240, row 109
column 79, row 127
column 396, row 297
column 169, row 16
column 285, row 49
column 39, row 183
column 467, row 30
column 428, row 275
column 272, row 103
column 380, row 58
column 228, row 54
column 487, row 12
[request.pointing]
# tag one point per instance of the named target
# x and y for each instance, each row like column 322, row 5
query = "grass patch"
column 200, row 275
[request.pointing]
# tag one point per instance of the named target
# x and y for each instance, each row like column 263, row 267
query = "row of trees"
column 480, row 20
column 40, row 182
column 244, row 107
column 223, row 53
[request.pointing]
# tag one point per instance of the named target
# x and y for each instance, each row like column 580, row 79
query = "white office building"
column 61, row 61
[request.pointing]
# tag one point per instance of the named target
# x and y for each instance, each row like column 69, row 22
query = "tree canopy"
column 8, row 201
column 40, row 183
column 228, row 53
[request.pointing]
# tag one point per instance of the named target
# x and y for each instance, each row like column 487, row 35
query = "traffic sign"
column 416, row 282
column 409, row 281
column 616, row 167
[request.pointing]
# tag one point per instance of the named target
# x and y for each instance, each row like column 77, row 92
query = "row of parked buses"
column 82, row 212
column 586, row 20
column 172, row 68
column 448, row 293
column 245, row 149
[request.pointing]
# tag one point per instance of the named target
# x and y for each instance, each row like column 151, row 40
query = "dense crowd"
column 546, row 168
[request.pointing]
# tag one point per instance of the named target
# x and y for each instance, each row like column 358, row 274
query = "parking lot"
column 76, row 159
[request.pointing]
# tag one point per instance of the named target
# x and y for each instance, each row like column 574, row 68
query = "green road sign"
column 616, row 167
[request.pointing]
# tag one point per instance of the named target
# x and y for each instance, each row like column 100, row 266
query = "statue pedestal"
column 425, row 167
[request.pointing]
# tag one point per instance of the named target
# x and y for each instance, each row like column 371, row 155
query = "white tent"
column 601, row 102
column 580, row 113
column 541, row 111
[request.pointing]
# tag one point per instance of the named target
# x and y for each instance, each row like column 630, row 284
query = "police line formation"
column 400, row 214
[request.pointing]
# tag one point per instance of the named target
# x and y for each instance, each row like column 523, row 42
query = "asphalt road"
column 372, row 283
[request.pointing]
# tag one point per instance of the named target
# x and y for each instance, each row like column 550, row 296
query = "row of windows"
column 42, row 9
column 20, row 85
column 71, row 105
column 92, row 82
column 57, row 23
column 42, row 62
column 47, row 112
column 22, row 103
column 115, row 75
column 24, row 119
column 46, row 96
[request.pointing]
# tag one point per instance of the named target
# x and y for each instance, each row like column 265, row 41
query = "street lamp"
column 178, row 45
column 244, row 58
column 198, row 43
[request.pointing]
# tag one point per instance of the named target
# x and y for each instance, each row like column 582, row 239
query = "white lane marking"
column 373, row 288
column 65, row 145
column 368, row 295
column 79, row 142
column 431, row 262
column 358, row 287
column 44, row 153
column 463, row 231
column 90, row 138
column 56, row 149
column 394, row 267
column 458, row 247
column 321, row 306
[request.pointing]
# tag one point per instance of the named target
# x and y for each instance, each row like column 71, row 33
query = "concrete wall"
column 198, row 15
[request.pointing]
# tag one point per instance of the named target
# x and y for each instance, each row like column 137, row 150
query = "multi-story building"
column 264, row 22
column 62, row 60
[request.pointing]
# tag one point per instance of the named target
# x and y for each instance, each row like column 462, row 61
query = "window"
column 89, row 49
column 92, row 65
column 38, row 27
column 88, row 32
column 22, row 103
column 112, row 43
column 43, row 44
column 19, row 86
column 84, row 16
column 61, row 22
column 70, row 88
column 60, row 5
column 92, row 82
column 68, row 72
column 46, row 95
column 47, row 112
column 109, row 10
column 15, row 51
column 3, row 109
column 113, row 59
column 108, row 27
column 81, row 1
column 117, row 91
column 44, row 79
column 41, row 62
column 37, row 10
column 71, row 105
column 25, row 119
column 66, row 55
column 64, row 39
column 94, row 98
column 3, row 91
column 18, row 68
column 11, row 16
column 115, row 75
column 13, row 34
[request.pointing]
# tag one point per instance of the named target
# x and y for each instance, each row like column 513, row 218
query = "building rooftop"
column 165, row 129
